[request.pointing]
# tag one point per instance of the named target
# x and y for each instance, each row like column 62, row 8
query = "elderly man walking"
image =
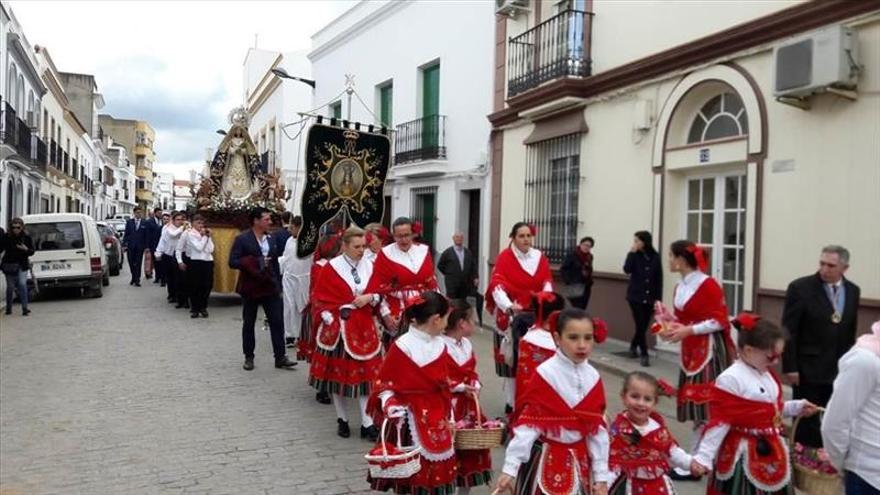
column 820, row 319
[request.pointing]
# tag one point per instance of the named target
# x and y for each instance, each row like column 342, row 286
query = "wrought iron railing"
column 553, row 49
column 420, row 139
column 8, row 133
column 42, row 152
column 65, row 163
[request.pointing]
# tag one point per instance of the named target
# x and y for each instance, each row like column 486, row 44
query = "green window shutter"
column 336, row 110
column 386, row 97
column 430, row 107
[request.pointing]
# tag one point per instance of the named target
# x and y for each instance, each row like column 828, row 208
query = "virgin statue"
column 237, row 179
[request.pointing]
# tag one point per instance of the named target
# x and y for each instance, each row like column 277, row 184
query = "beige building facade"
column 620, row 125
column 137, row 137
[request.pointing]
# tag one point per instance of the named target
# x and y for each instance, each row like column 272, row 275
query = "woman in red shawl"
column 702, row 327
column 519, row 271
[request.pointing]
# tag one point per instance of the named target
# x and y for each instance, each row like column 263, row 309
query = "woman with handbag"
column 17, row 247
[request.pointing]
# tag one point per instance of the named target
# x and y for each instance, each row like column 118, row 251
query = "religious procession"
column 526, row 247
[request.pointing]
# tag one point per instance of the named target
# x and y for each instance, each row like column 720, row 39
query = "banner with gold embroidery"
column 345, row 172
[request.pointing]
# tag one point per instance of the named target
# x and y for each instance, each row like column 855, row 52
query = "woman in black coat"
column 645, row 287
column 16, row 247
column 577, row 270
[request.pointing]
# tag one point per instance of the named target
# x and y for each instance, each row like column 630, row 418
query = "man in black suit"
column 460, row 272
column 155, row 224
column 259, row 283
column 136, row 240
column 820, row 318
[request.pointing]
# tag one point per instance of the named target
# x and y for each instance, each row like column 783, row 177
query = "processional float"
column 345, row 169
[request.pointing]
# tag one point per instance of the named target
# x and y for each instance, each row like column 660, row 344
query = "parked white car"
column 69, row 252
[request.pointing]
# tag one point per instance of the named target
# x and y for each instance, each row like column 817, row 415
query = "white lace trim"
column 741, row 453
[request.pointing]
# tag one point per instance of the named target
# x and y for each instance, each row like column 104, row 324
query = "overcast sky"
column 177, row 65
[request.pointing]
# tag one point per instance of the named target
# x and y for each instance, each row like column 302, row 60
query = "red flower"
column 417, row 228
column 746, row 321
column 600, row 330
column 533, row 229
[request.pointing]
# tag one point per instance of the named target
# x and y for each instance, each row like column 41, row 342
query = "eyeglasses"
column 357, row 278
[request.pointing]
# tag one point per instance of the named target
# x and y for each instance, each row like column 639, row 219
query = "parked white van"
column 68, row 252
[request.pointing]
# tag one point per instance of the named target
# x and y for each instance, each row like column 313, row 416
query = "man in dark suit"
column 820, row 319
column 155, row 224
column 460, row 272
column 259, row 283
column 136, row 240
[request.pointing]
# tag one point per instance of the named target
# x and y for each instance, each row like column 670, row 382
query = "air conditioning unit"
column 812, row 63
column 511, row 7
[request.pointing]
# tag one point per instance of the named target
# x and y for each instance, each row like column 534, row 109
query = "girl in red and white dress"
column 703, row 328
column 328, row 248
column 377, row 237
column 537, row 345
column 347, row 357
column 402, row 269
column 519, row 271
column 560, row 441
column 642, row 449
column 474, row 466
column 414, row 386
column 743, row 440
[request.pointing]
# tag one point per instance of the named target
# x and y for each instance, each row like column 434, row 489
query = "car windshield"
column 51, row 236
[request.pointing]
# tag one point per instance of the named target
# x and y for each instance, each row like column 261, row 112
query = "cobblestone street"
column 124, row 394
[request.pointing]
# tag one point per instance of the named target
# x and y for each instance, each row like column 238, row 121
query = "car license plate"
column 55, row 265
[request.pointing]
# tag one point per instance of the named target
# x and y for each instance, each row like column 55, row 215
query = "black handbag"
column 10, row 268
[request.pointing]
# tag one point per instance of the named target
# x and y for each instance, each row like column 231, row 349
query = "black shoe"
column 682, row 477
column 285, row 363
column 162, row 284
column 25, row 312
column 371, row 433
column 633, row 353
column 248, row 364
column 181, row 305
column 193, row 315
column 645, row 361
column 508, row 409
column 137, row 284
column 342, row 429
column 323, row 398
column 204, row 314
column 131, row 282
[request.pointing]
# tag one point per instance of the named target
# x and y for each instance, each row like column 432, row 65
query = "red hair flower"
column 384, row 234
column 746, row 321
column 368, row 238
column 553, row 321
column 600, row 330
column 533, row 229
column 541, row 298
column 417, row 228
column 699, row 256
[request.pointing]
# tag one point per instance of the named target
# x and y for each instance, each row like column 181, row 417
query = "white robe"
column 295, row 279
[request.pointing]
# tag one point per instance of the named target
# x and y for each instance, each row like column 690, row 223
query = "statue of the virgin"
column 237, row 179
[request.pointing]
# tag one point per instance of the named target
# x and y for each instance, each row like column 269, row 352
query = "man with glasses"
column 820, row 319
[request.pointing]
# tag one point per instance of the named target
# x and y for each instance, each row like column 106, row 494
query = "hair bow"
column 600, row 330
column 533, row 229
column 542, row 298
column 699, row 255
column 417, row 228
column 747, row 321
column 553, row 321
column 414, row 301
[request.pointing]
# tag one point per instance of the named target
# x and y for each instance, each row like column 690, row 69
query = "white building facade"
column 163, row 191
column 273, row 103
column 434, row 93
column 22, row 151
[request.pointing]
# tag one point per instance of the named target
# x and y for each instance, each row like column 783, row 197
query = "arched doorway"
column 708, row 153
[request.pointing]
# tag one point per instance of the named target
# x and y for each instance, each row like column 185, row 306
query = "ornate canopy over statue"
column 236, row 179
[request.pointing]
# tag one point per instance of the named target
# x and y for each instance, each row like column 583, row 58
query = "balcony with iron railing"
column 420, row 147
column 65, row 163
column 555, row 48
column 20, row 139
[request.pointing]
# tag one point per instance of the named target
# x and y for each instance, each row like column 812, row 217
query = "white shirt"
column 744, row 381
column 168, row 239
column 460, row 350
column 264, row 244
column 196, row 246
column 412, row 259
column 540, row 337
column 572, row 382
column 529, row 262
column 851, row 426
column 685, row 290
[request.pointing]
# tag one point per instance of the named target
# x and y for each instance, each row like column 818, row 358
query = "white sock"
column 510, row 390
column 366, row 419
column 339, row 403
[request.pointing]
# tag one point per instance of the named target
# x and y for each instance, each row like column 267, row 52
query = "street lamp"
column 278, row 71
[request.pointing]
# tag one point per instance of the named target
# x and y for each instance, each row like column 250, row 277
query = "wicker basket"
column 399, row 465
column 478, row 438
column 809, row 480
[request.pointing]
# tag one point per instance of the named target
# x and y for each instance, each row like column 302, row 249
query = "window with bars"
column 424, row 211
column 551, row 194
